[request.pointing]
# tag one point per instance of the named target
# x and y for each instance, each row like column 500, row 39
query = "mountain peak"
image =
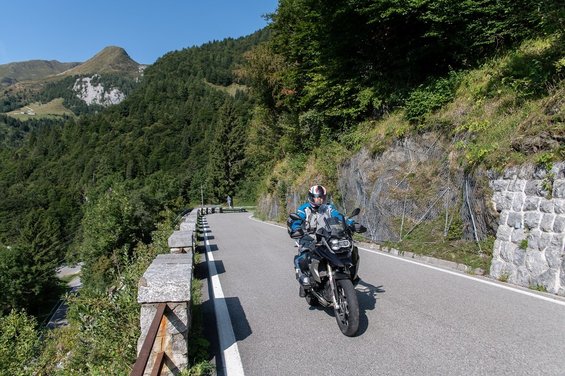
column 111, row 59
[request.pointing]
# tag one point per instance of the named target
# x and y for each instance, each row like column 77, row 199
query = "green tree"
column 108, row 229
column 19, row 344
column 27, row 268
column 226, row 161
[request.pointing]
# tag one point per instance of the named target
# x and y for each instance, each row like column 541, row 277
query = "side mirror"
column 355, row 212
column 359, row 228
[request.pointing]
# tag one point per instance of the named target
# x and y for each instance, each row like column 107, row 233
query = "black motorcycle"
column 333, row 263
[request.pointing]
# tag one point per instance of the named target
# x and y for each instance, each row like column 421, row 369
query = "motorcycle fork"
column 332, row 285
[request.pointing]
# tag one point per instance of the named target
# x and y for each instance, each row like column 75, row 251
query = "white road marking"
column 472, row 278
column 458, row 274
column 228, row 344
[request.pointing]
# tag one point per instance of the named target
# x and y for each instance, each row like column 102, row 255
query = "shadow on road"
column 241, row 328
column 367, row 297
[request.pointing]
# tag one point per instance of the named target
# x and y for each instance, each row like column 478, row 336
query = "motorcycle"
column 333, row 263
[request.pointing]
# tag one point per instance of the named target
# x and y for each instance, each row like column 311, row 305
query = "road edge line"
column 228, row 344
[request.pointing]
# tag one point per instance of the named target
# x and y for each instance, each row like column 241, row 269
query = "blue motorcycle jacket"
column 307, row 213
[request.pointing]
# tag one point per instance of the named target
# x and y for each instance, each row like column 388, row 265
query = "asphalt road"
column 415, row 320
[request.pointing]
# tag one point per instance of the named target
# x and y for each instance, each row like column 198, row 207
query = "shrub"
column 19, row 343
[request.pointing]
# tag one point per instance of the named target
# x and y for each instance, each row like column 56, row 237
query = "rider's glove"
column 357, row 227
column 297, row 233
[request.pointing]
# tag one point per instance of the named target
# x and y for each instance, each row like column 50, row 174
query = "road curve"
column 415, row 320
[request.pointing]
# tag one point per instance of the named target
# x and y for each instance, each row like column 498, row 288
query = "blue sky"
column 75, row 30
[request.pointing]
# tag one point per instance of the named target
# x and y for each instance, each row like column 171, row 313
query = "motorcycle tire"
column 347, row 310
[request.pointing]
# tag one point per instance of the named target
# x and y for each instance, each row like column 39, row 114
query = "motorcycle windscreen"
column 335, row 225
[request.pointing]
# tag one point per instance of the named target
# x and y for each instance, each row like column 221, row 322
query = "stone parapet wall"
column 168, row 280
column 529, row 249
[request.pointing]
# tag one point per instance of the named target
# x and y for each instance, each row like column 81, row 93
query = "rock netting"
column 529, row 249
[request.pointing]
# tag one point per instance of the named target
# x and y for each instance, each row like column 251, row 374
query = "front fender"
column 331, row 257
column 341, row 275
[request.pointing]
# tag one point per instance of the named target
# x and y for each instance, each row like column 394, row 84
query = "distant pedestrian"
column 229, row 202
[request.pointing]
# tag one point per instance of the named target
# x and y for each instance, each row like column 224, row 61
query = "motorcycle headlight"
column 337, row 244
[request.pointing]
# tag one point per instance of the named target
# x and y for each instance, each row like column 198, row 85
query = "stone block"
column 559, row 188
column 536, row 262
column 538, row 172
column 531, row 203
column 518, row 235
column 187, row 226
column 499, row 185
column 515, row 220
column 496, row 247
column 562, row 277
column 535, row 188
column 171, row 258
column 559, row 224
column 507, row 252
column 505, row 202
column 520, row 277
column 511, row 173
column 559, row 205
column 497, row 268
column 554, row 256
column 532, row 220
column 558, row 240
column 546, row 206
column 517, row 185
column 497, row 201
column 546, row 279
column 180, row 239
column 558, row 170
column 546, row 223
column 545, row 240
column 504, row 233
column 519, row 257
column 534, row 239
column 503, row 218
column 518, row 201
column 165, row 283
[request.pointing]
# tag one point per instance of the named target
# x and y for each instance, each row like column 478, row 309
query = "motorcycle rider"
column 310, row 212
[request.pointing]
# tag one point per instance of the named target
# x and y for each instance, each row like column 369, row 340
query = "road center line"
column 458, row 274
column 228, row 344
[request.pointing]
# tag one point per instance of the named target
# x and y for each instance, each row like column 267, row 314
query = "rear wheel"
column 347, row 310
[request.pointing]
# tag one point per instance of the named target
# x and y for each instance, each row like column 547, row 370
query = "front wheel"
column 347, row 310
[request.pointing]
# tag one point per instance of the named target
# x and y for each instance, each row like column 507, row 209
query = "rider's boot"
column 303, row 279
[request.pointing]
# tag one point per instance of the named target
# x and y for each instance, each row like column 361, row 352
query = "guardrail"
column 164, row 294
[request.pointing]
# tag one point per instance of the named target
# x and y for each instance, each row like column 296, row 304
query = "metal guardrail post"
column 145, row 353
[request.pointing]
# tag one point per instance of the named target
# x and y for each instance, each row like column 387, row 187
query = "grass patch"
column 231, row 89
column 53, row 109
column 198, row 346
column 524, row 244
column 427, row 239
column 539, row 288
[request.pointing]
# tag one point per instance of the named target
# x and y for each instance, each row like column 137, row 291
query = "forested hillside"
column 259, row 118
